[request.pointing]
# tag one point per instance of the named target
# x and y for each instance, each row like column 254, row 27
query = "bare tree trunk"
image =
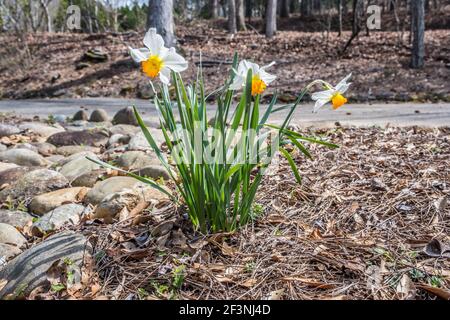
column 160, row 16
column 48, row 17
column 418, row 28
column 306, row 7
column 214, row 7
column 271, row 18
column 249, row 9
column 240, row 18
column 339, row 5
column 285, row 8
column 232, row 28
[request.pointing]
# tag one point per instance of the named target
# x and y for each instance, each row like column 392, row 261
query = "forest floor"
column 52, row 65
column 369, row 221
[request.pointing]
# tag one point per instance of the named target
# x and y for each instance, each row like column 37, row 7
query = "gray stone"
column 118, row 203
column 154, row 172
column 10, row 235
column 89, row 179
column 111, row 185
column 33, row 183
column 56, row 158
column 132, row 160
column 8, row 252
column 117, row 139
column 125, row 129
column 145, row 90
column 78, row 166
column 17, row 219
column 68, row 214
column 27, row 146
column 12, row 175
column 80, row 115
column 44, row 148
column 8, row 130
column 82, row 154
column 99, row 115
column 29, row 270
column 41, row 129
column 6, row 166
column 70, row 150
column 125, row 116
column 23, row 157
column 139, row 142
column 48, row 201
column 3, row 147
column 92, row 137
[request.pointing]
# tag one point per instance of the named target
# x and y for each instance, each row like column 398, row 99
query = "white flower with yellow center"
column 332, row 94
column 156, row 59
column 260, row 78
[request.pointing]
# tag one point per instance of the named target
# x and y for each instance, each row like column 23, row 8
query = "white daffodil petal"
column 266, row 77
column 164, row 75
column 139, row 55
column 342, row 87
column 268, row 66
column 153, row 41
column 343, row 81
column 174, row 61
column 323, row 95
column 319, row 104
column 238, row 82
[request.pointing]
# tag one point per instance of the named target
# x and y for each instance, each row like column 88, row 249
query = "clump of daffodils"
column 217, row 178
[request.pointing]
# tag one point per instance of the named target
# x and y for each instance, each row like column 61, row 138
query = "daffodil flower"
column 332, row 94
column 156, row 59
column 260, row 78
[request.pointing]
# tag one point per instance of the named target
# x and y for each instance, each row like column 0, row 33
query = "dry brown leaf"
column 249, row 283
column 276, row 295
column 228, row 250
column 441, row 293
column 406, row 289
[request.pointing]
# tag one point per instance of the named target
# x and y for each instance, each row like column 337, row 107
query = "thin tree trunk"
column 240, row 18
column 271, row 18
column 48, row 17
column 418, row 28
column 160, row 16
column 249, row 9
column 285, row 8
column 305, row 8
column 339, row 5
column 214, row 7
column 232, row 27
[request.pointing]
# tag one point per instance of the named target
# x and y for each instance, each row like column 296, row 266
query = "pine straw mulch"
column 355, row 229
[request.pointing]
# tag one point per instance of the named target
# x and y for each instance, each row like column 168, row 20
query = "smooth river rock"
column 111, row 185
column 23, row 157
column 33, row 183
column 48, row 201
column 16, row 218
column 90, row 137
column 41, row 129
column 79, row 166
column 29, row 270
column 68, row 214
column 132, row 160
column 10, row 235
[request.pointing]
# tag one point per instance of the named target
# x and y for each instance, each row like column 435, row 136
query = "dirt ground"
column 50, row 65
column 368, row 222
